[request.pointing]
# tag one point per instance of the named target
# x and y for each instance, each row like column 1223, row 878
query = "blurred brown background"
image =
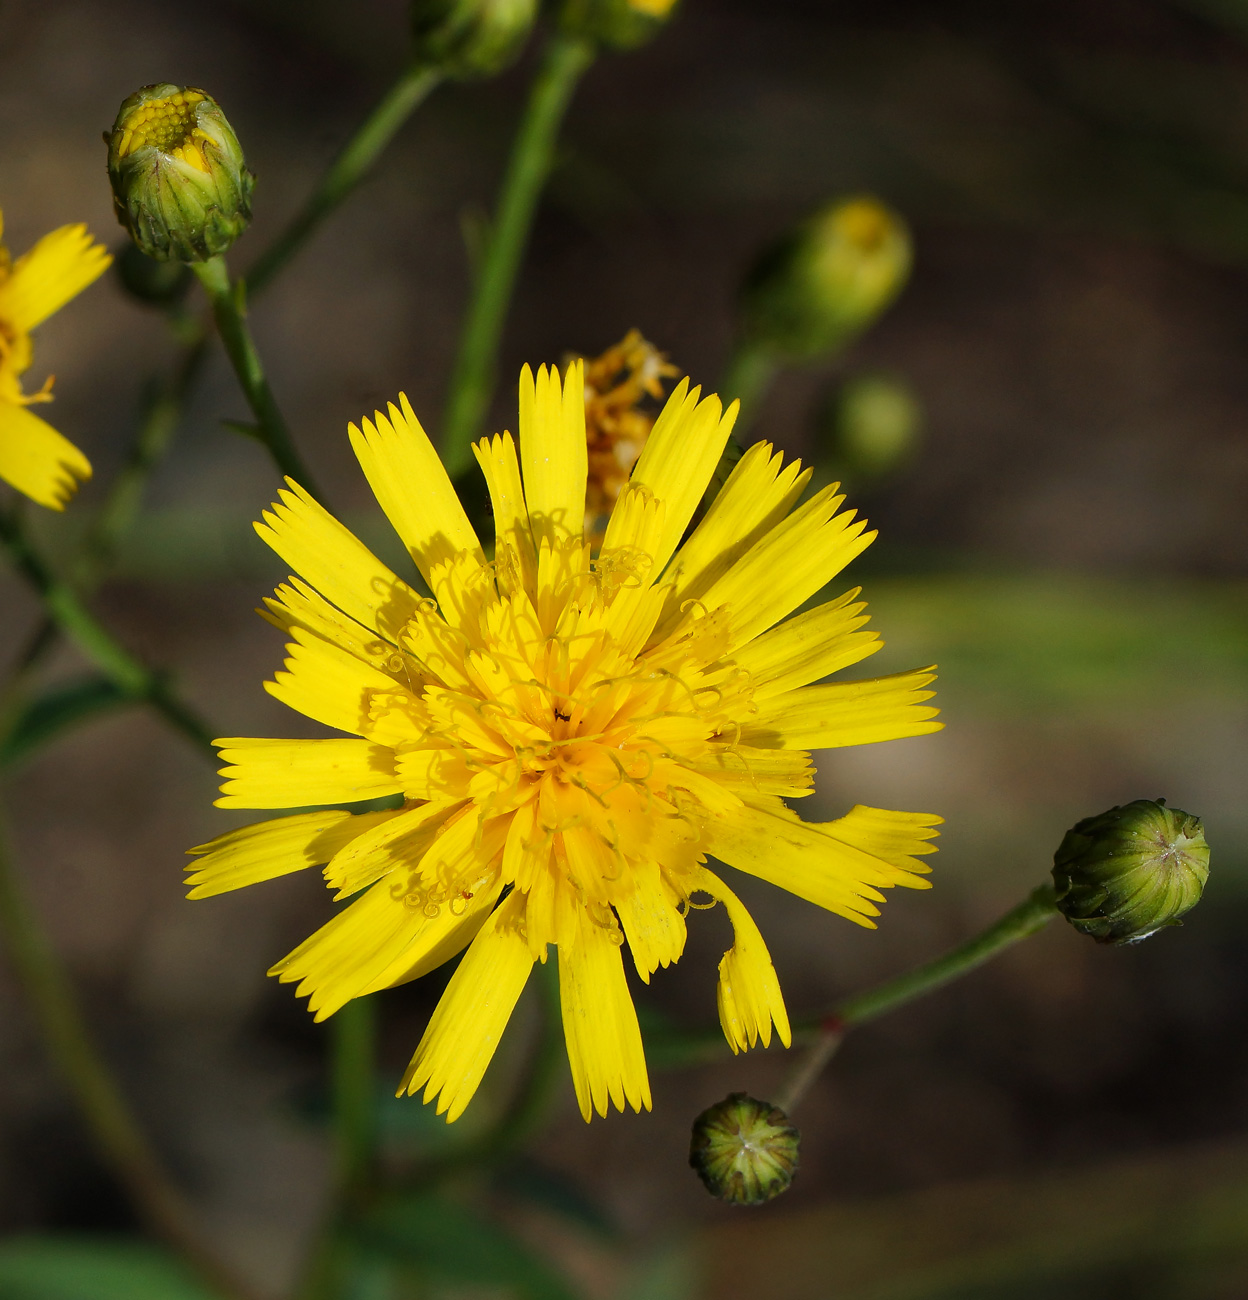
column 1071, row 545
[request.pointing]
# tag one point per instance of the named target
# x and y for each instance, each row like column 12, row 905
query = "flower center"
column 169, row 124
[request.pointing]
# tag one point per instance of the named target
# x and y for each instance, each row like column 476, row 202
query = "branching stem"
column 1021, row 922
column 112, row 1126
column 68, row 612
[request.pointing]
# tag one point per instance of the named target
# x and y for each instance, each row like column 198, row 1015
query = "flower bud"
column 180, row 186
column 874, row 426
column 823, row 284
column 1126, row 873
column 616, row 24
column 471, row 38
column 744, row 1151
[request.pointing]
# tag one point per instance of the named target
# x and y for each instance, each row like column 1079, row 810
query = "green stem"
column 353, row 1054
column 229, row 311
column 532, row 156
column 162, row 410
column 1021, row 922
column 113, row 1128
column 347, row 170
column 1029, row 917
column 67, row 611
column 748, row 376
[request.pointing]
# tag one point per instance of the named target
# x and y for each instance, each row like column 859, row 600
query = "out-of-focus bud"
column 825, row 282
column 616, row 24
column 180, row 185
column 874, row 424
column 157, row 283
column 471, row 38
column 744, row 1151
column 1126, row 873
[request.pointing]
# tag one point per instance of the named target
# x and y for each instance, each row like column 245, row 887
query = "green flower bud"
column 616, row 24
column 823, row 284
column 471, row 38
column 158, row 283
column 180, row 186
column 875, row 424
column 744, row 1151
column 1125, row 874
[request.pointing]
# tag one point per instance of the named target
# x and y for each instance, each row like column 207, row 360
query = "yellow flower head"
column 571, row 736
column 34, row 458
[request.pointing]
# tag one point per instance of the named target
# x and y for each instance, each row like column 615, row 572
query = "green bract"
column 180, row 185
column 824, row 283
column 617, row 24
column 744, row 1151
column 471, row 38
column 1128, row 872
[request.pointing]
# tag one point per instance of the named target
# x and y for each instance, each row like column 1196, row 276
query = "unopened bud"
column 1128, row 872
column 180, row 185
column 471, row 38
column 744, row 1151
column 875, row 423
column 616, row 24
column 823, row 284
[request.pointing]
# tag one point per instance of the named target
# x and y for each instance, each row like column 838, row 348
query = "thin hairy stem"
column 118, row 1138
column 230, row 312
column 532, row 155
column 353, row 1051
column 1021, row 922
column 347, row 170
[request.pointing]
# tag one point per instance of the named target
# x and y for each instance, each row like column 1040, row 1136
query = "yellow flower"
column 571, row 736
column 34, row 458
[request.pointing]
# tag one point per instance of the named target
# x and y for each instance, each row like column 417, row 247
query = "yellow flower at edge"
column 572, row 736
column 34, row 458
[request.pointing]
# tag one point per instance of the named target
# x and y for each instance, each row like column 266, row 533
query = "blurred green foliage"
column 92, row 1268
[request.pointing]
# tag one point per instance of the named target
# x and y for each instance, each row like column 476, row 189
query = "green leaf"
column 92, row 1268
column 58, row 709
column 447, row 1242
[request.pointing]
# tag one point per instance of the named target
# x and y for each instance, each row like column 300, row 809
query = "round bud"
column 744, row 1151
column 158, row 283
column 1128, row 872
column 825, row 282
column 875, row 424
column 180, row 185
column 616, row 24
column 471, row 38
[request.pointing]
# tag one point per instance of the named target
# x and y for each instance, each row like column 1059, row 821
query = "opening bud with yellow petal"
column 471, row 38
column 180, row 185
column 616, row 24
column 744, row 1151
column 1128, row 872
column 825, row 282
